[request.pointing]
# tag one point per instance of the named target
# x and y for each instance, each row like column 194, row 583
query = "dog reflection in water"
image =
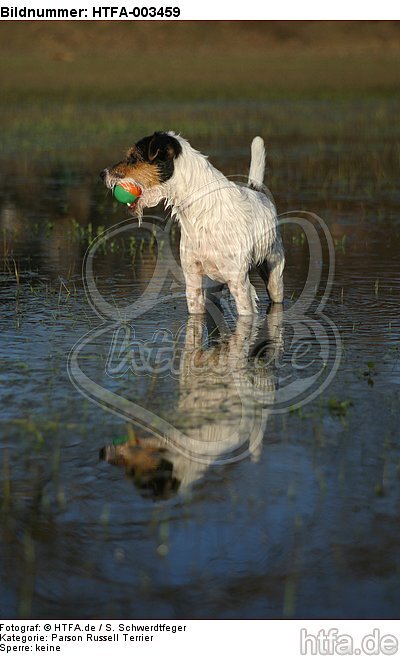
column 227, row 385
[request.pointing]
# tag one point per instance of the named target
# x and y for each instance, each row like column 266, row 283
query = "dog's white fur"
column 213, row 376
column 226, row 229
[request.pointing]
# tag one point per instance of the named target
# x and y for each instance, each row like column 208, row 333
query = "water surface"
column 306, row 524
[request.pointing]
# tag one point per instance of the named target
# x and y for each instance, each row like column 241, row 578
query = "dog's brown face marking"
column 141, row 172
column 134, row 457
column 150, row 162
column 151, row 471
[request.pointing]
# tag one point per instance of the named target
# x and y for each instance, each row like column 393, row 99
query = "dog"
column 227, row 385
column 226, row 229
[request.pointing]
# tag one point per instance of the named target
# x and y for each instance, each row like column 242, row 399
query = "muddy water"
column 200, row 468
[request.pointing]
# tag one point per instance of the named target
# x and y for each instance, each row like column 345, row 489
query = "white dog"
column 227, row 385
column 226, row 229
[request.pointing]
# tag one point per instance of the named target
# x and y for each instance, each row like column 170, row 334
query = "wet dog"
column 226, row 229
column 227, row 385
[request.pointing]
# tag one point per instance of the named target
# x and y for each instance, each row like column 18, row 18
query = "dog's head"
column 149, row 466
column 148, row 164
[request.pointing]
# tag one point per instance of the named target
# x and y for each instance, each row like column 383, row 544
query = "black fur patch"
column 160, row 149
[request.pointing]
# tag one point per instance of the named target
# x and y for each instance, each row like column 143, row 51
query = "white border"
column 211, row 10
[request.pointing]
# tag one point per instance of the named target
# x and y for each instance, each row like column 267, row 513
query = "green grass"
column 186, row 61
column 256, row 76
column 76, row 86
column 82, row 130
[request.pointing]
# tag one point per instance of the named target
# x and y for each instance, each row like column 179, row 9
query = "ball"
column 126, row 192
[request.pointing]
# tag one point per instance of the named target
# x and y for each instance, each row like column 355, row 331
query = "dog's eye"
column 132, row 155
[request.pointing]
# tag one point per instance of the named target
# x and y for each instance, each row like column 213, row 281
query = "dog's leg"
column 193, row 274
column 194, row 293
column 275, row 282
column 272, row 274
column 245, row 295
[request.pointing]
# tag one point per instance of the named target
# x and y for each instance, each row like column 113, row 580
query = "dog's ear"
column 154, row 148
column 163, row 146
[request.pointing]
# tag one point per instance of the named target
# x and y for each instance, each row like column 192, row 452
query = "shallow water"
column 220, row 523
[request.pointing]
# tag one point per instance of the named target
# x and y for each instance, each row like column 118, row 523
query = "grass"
column 70, row 87
column 258, row 76
column 130, row 62
column 81, row 138
column 339, row 408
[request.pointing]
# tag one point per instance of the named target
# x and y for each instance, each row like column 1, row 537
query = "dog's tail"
column 257, row 164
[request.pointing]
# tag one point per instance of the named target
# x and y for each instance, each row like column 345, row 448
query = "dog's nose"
column 103, row 173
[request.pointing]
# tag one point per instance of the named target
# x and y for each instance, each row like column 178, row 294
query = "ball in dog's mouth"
column 127, row 193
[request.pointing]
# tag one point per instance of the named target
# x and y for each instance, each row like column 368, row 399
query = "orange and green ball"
column 126, row 193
